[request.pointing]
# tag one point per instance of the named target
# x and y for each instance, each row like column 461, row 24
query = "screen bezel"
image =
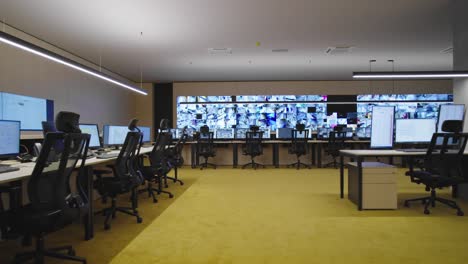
column 9, row 155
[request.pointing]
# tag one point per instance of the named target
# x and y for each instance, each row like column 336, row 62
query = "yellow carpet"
column 289, row 216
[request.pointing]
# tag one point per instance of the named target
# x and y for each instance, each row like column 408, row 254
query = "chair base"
column 174, row 179
column 40, row 253
column 110, row 213
column 431, row 201
column 333, row 164
column 298, row 165
column 254, row 165
column 205, row 165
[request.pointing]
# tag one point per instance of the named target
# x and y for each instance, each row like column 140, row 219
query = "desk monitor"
column 146, row 133
column 414, row 130
column 224, row 133
column 302, row 134
column 93, row 130
column 450, row 112
column 266, row 133
column 114, row 135
column 9, row 138
column 382, row 126
column 240, row 133
column 323, row 132
column 284, row 133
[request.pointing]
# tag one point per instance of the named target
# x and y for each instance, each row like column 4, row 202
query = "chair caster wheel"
column 155, row 201
column 181, row 183
column 406, row 204
column 460, row 213
column 171, row 196
column 106, row 227
column 139, row 220
column 426, row 211
column 71, row 252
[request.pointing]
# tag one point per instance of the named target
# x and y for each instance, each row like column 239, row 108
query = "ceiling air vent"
column 448, row 50
column 338, row 50
column 220, row 51
column 279, row 50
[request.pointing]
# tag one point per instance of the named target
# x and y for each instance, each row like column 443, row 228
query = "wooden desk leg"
column 235, row 158
column 313, row 154
column 341, row 177
column 319, row 155
column 359, row 165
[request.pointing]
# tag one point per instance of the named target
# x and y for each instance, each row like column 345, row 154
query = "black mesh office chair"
column 299, row 145
column 175, row 155
column 125, row 179
column 442, row 166
column 159, row 166
column 53, row 205
column 253, row 146
column 205, row 146
column 336, row 142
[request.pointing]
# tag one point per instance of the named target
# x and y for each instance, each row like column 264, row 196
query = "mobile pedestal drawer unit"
column 379, row 185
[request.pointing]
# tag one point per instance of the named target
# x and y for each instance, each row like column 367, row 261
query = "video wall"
column 315, row 111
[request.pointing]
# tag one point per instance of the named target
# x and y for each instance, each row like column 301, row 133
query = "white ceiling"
column 177, row 34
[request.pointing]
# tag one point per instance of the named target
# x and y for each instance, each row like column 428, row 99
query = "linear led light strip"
column 26, row 46
column 410, row 75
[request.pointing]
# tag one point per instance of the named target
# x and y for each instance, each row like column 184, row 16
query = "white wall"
column 460, row 53
column 95, row 100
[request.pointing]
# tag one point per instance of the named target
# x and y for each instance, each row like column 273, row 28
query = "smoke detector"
column 338, row 50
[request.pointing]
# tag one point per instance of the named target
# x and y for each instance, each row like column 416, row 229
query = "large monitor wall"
column 279, row 111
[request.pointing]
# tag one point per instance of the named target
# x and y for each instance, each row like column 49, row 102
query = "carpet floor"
column 289, row 216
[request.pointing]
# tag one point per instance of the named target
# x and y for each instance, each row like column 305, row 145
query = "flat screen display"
column 227, row 133
column 283, row 133
column 93, row 130
column 9, row 138
column 146, row 133
column 115, row 135
column 382, row 126
column 450, row 112
column 414, row 130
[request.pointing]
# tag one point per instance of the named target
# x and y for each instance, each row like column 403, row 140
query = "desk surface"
column 27, row 168
column 381, row 152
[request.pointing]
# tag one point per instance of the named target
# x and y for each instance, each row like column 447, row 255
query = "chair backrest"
column 125, row 164
column 299, row 141
column 180, row 143
column 253, row 142
column 159, row 153
column 445, row 154
column 205, row 143
column 336, row 140
column 49, row 185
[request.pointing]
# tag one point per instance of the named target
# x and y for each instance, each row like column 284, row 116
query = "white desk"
column 360, row 154
column 87, row 180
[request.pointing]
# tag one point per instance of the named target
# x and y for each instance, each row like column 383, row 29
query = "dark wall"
column 163, row 105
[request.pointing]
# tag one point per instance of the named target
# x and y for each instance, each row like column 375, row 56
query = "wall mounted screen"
column 414, row 130
column 382, row 126
column 30, row 111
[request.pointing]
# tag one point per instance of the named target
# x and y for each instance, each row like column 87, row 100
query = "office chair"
column 336, row 142
column 299, row 145
column 253, row 146
column 125, row 179
column 442, row 167
column 52, row 204
column 205, row 146
column 175, row 155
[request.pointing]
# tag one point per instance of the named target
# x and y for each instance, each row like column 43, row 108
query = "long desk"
column 315, row 146
column 360, row 155
column 86, row 178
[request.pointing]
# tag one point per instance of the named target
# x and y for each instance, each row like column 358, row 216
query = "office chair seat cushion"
column 113, row 185
column 434, row 180
column 28, row 220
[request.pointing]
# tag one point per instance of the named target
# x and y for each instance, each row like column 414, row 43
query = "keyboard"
column 107, row 155
column 5, row 168
column 412, row 150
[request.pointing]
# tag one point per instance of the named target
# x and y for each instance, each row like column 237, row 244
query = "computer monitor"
column 323, row 132
column 9, row 138
column 114, row 135
column 224, row 133
column 414, row 130
column 284, row 133
column 93, row 130
column 382, row 126
column 266, row 133
column 240, row 133
column 146, row 133
column 450, row 112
